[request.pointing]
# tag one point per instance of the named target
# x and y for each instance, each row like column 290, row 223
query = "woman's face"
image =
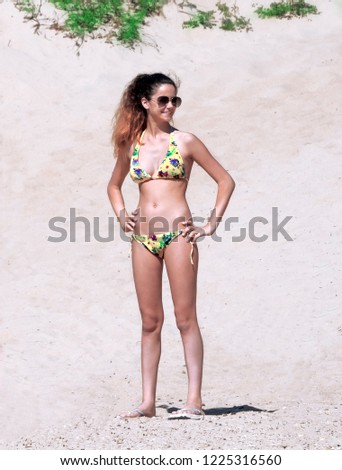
column 157, row 105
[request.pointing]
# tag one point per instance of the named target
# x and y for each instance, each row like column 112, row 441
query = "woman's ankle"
column 148, row 406
column 194, row 403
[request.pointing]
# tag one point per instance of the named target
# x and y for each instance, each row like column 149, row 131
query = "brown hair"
column 130, row 117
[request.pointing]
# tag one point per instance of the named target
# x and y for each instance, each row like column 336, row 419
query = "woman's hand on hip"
column 191, row 233
column 130, row 221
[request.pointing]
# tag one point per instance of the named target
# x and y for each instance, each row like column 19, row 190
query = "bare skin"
column 166, row 199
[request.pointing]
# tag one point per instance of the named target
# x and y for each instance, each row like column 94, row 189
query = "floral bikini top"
column 172, row 167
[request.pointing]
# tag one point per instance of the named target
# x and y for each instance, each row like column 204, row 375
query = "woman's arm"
column 119, row 174
column 201, row 155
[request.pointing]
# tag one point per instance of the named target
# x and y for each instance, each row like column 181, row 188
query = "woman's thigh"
column 147, row 274
column 182, row 275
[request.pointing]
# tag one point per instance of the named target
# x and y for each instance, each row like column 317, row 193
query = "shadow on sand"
column 222, row 411
column 233, row 410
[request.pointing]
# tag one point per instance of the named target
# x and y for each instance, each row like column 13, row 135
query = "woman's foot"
column 192, row 410
column 188, row 413
column 139, row 413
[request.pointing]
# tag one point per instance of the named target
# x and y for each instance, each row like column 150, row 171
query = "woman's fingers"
column 192, row 233
column 192, row 236
column 195, row 235
column 131, row 221
column 187, row 228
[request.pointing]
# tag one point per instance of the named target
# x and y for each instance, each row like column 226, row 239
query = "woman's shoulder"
column 186, row 138
column 187, row 142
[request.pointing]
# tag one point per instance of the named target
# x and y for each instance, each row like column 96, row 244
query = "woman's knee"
column 185, row 319
column 152, row 321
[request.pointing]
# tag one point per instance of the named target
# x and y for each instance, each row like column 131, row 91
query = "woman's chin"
column 167, row 116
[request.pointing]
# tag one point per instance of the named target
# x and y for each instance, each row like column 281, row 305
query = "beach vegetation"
column 27, row 6
column 229, row 18
column 287, row 9
column 201, row 18
column 122, row 18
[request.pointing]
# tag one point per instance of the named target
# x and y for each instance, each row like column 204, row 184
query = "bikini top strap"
column 141, row 137
column 139, row 140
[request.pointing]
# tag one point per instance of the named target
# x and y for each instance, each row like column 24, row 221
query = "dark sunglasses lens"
column 176, row 101
column 163, row 100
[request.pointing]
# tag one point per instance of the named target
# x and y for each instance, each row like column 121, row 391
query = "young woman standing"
column 159, row 159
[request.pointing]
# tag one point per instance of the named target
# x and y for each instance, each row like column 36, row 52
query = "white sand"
column 268, row 105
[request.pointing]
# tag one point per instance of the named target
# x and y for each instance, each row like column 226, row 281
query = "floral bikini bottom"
column 158, row 242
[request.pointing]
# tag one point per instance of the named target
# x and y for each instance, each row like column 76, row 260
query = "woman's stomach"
column 161, row 208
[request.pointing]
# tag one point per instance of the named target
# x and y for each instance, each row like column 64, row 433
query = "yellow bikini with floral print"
column 172, row 167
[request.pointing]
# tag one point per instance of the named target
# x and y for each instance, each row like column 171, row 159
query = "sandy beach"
column 268, row 105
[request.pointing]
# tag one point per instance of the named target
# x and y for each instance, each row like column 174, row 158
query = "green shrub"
column 229, row 18
column 287, row 9
column 124, row 17
column 201, row 18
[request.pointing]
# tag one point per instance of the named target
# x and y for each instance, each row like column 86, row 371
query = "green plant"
column 130, row 22
column 124, row 18
column 201, row 18
column 231, row 19
column 27, row 6
column 287, row 9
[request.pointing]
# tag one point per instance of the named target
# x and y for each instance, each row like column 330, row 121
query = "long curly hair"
column 130, row 118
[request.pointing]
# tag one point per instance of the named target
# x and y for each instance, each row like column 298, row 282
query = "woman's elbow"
column 230, row 182
column 111, row 189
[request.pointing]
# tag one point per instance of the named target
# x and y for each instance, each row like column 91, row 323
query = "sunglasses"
column 176, row 101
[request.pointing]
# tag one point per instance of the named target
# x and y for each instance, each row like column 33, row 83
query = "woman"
column 159, row 158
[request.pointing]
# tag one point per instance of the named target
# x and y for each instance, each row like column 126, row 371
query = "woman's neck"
column 153, row 129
